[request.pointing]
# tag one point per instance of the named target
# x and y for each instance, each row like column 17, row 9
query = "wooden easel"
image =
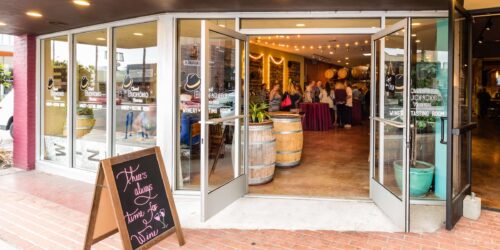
column 106, row 216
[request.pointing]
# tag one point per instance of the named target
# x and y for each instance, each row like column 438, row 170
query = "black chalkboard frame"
column 106, row 169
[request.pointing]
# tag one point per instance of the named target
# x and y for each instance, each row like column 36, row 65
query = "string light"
column 276, row 62
column 256, row 57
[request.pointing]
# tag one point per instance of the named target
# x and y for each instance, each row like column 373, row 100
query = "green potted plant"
column 262, row 145
column 85, row 122
column 421, row 172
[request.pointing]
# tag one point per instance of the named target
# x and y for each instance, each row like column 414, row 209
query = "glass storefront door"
column 224, row 117
column 460, row 117
column 389, row 172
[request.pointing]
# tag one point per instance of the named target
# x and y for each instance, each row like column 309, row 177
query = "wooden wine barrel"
column 84, row 124
column 261, row 153
column 359, row 72
column 343, row 73
column 289, row 139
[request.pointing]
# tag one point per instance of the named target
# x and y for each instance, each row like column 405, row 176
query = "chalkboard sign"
column 141, row 200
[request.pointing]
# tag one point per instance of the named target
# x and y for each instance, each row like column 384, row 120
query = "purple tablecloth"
column 316, row 116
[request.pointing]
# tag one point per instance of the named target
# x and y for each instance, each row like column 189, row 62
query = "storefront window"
column 189, row 106
column 54, row 87
column 428, row 103
column 309, row 23
column 90, row 93
column 136, row 61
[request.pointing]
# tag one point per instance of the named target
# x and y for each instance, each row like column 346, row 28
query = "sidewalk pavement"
column 42, row 211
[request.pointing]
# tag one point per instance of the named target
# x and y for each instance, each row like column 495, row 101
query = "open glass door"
column 459, row 115
column 389, row 162
column 224, row 117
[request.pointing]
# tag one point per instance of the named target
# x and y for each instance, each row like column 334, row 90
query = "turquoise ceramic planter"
column 420, row 178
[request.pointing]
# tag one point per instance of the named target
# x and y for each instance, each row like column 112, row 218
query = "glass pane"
column 389, row 148
column 90, row 86
column 136, row 58
column 188, row 89
column 391, row 107
column 461, row 105
column 428, row 106
column 223, row 157
column 309, row 23
column 55, row 89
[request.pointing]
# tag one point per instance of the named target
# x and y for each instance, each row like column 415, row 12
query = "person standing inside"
column 484, row 102
column 325, row 97
column 340, row 101
column 275, row 98
column 295, row 96
column 309, row 93
column 348, row 106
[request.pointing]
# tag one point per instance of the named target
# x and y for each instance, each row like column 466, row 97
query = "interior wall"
column 256, row 49
column 315, row 70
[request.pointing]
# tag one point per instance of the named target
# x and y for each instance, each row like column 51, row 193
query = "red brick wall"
column 24, row 101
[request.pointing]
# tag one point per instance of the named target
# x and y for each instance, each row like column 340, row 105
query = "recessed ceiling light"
column 2, row 24
column 138, row 34
column 33, row 14
column 347, row 58
column 81, row 2
column 367, row 54
column 222, row 25
column 416, row 24
column 300, row 25
column 346, row 63
column 366, row 41
column 338, row 61
column 331, row 52
column 413, row 35
column 417, row 41
column 101, row 39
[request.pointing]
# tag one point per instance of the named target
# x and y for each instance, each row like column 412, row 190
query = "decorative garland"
column 274, row 60
column 256, row 57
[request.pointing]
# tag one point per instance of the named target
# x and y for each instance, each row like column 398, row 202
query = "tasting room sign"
column 140, row 200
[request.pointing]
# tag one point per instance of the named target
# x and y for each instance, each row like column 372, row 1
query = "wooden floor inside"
column 486, row 162
column 334, row 164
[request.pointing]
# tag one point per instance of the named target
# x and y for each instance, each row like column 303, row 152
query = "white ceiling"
column 328, row 48
column 481, row 4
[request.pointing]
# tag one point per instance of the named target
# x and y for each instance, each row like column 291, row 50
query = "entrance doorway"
column 332, row 160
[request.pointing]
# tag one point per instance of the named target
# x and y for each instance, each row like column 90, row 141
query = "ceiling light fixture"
column 366, row 41
column 417, row 41
column 331, row 52
column 34, row 14
column 338, row 61
column 367, row 54
column 356, row 43
column 481, row 40
column 300, row 25
column 222, row 25
column 138, row 34
column 489, row 25
column 101, row 39
column 416, row 24
column 413, row 35
column 81, row 2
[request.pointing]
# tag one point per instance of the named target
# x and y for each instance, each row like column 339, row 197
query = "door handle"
column 464, row 129
column 443, row 119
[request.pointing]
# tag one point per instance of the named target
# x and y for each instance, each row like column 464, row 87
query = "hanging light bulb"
column 489, row 25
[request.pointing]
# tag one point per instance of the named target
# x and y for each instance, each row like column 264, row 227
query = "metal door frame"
column 214, row 201
column 384, row 198
column 454, row 205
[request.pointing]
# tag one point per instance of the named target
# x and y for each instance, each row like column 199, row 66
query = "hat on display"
column 192, row 83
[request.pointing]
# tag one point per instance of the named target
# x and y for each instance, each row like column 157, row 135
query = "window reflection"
column 189, row 106
column 136, row 61
column 90, row 86
column 55, row 90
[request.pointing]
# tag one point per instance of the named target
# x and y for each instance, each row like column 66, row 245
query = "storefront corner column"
column 24, row 102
